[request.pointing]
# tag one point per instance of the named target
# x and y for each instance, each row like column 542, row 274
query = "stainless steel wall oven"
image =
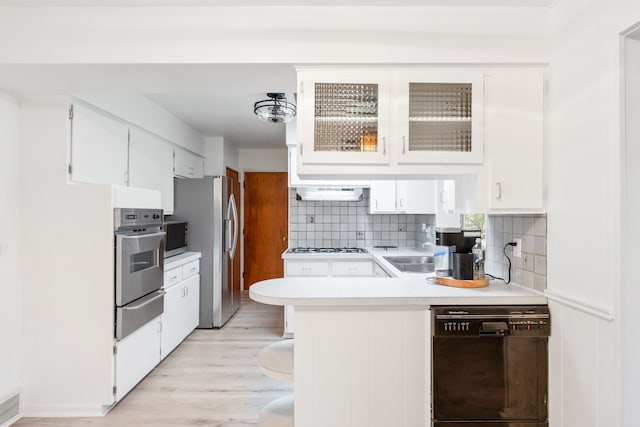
column 490, row 366
column 139, row 261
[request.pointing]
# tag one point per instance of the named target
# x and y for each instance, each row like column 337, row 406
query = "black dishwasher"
column 489, row 366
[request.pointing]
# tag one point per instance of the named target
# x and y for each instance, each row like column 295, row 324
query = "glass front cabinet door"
column 439, row 116
column 343, row 117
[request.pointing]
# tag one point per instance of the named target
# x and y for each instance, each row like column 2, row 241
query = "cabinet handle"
column 376, row 204
column 404, row 144
column 384, row 145
column 402, row 203
column 159, row 326
column 499, row 190
column 186, row 291
column 173, row 278
column 301, row 148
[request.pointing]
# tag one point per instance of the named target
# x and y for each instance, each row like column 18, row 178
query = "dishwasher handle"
column 494, row 329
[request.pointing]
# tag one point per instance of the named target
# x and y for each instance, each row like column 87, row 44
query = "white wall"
column 67, row 269
column 10, row 250
column 148, row 115
column 630, row 293
column 583, row 176
column 219, row 155
column 263, row 160
column 248, row 34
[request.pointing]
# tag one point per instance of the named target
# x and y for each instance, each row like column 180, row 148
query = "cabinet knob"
column 284, row 238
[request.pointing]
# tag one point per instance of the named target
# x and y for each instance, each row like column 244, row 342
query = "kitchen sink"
column 413, row 264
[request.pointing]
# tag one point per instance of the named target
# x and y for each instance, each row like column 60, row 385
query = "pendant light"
column 276, row 109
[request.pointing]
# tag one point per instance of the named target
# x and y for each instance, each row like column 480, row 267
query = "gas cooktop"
column 326, row 251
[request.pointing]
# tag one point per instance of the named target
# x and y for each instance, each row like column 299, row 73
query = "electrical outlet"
column 517, row 249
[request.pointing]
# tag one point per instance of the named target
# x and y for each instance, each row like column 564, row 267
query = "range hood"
column 344, row 194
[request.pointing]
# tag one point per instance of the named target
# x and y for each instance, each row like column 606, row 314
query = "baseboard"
column 53, row 410
column 9, row 409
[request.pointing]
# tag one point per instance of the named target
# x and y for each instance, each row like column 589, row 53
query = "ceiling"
column 237, row 3
column 216, row 100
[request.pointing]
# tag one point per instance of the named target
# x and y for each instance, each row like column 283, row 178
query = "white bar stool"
column 276, row 360
column 278, row 413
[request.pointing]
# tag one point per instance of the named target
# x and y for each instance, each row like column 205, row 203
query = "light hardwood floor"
column 211, row 379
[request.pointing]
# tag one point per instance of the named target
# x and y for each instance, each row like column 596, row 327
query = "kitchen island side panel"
column 359, row 366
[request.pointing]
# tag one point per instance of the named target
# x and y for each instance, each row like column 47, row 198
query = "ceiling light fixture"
column 276, row 109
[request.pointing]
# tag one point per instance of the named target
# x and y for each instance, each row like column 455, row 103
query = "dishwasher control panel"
column 491, row 321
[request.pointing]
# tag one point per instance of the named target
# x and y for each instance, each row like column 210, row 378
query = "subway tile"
column 528, row 225
column 539, row 282
column 518, row 225
column 507, row 226
column 527, row 261
column 540, row 226
column 527, row 279
column 498, row 223
column 540, row 245
column 527, row 244
column 540, row 264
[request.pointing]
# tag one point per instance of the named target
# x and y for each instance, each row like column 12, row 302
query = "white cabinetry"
column 358, row 117
column 181, row 303
column 187, row 165
column 99, row 147
column 325, row 267
column 343, row 116
column 136, row 355
column 382, row 197
column 151, row 165
column 439, row 116
column 412, row 197
column 514, row 132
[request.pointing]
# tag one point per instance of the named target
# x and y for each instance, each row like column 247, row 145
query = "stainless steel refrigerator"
column 209, row 205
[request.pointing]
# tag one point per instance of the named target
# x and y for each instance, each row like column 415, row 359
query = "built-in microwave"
column 177, row 238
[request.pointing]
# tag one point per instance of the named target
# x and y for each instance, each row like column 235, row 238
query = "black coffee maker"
column 460, row 243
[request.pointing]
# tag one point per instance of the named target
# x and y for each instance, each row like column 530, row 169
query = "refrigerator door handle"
column 234, row 211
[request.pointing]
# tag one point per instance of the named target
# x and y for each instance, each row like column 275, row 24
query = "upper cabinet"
column 151, row 165
column 99, row 147
column 106, row 150
column 390, row 117
column 435, row 123
column 187, row 165
column 343, row 117
column 514, row 131
column 439, row 116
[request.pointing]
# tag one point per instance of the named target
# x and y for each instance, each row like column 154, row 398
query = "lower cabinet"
column 323, row 268
column 181, row 306
column 136, row 355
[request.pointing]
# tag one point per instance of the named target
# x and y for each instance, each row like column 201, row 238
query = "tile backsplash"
column 349, row 224
column 530, row 269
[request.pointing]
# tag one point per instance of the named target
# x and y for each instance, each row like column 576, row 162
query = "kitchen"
column 583, row 138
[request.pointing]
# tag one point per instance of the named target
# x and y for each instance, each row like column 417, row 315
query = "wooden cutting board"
column 448, row 281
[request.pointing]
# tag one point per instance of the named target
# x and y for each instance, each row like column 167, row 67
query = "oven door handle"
column 494, row 329
column 145, row 301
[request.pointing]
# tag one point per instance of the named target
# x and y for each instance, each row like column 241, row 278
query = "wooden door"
column 234, row 265
column 266, row 208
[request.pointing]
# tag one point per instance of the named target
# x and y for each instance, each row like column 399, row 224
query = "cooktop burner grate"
column 326, row 250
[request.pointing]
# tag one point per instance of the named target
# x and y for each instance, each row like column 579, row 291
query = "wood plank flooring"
column 211, row 379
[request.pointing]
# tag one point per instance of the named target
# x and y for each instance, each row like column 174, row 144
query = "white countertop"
column 181, row 259
column 374, row 291
column 376, row 254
